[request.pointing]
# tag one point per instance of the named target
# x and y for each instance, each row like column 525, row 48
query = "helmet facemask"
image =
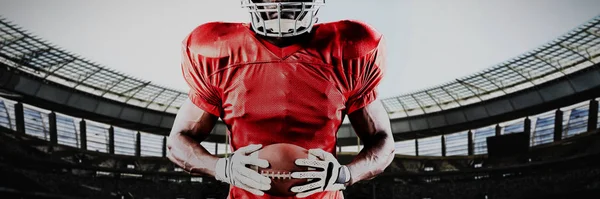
column 283, row 19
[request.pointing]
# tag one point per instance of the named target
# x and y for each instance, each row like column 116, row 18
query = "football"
column 281, row 159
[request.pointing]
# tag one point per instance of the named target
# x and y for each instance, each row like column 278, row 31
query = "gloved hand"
column 233, row 170
column 329, row 176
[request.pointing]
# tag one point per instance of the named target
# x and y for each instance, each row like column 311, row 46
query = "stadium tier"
column 95, row 136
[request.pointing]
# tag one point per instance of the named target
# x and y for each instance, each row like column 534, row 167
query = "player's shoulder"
column 214, row 39
column 356, row 38
column 218, row 29
column 353, row 30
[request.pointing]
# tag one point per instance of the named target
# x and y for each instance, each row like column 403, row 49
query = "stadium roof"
column 574, row 51
column 43, row 59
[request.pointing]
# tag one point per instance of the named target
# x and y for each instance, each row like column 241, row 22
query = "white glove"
column 233, row 171
column 330, row 176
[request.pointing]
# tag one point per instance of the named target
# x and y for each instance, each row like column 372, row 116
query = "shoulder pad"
column 216, row 39
column 355, row 38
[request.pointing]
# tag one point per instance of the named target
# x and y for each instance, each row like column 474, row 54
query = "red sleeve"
column 372, row 67
column 202, row 93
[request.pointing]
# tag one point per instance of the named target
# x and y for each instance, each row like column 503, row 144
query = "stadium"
column 525, row 128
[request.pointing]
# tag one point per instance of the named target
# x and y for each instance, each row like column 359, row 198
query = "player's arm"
column 370, row 120
column 192, row 123
column 372, row 125
column 196, row 119
column 191, row 126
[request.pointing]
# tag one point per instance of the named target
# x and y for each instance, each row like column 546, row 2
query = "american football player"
column 283, row 78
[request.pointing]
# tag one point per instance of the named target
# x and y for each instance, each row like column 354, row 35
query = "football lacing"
column 278, row 175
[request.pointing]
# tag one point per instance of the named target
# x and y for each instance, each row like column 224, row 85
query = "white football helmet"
column 283, row 19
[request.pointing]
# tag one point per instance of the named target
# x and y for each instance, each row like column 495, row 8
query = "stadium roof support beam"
column 418, row 103
column 156, row 96
column 434, row 100
column 136, row 87
column 59, row 66
column 79, row 82
column 570, row 48
column 403, row 105
column 597, row 34
column 474, row 86
column 57, row 58
column 491, row 80
column 115, row 84
column 170, row 103
column 139, row 88
column 520, row 74
column 468, row 86
column 452, row 96
column 26, row 58
column 561, row 70
column 588, row 53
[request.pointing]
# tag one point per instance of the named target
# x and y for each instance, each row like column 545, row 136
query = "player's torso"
column 282, row 101
column 281, row 95
column 296, row 94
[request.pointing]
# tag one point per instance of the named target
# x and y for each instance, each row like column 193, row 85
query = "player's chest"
column 276, row 90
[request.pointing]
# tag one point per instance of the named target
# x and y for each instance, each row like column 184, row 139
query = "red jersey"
column 297, row 94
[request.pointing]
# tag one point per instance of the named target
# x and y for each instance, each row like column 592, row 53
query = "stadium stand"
column 70, row 128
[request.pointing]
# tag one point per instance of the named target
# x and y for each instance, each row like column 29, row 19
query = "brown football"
column 281, row 159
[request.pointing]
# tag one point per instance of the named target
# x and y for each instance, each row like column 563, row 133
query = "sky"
column 429, row 42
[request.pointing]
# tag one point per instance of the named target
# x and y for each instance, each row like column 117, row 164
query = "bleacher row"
column 572, row 168
column 576, row 183
column 575, row 119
